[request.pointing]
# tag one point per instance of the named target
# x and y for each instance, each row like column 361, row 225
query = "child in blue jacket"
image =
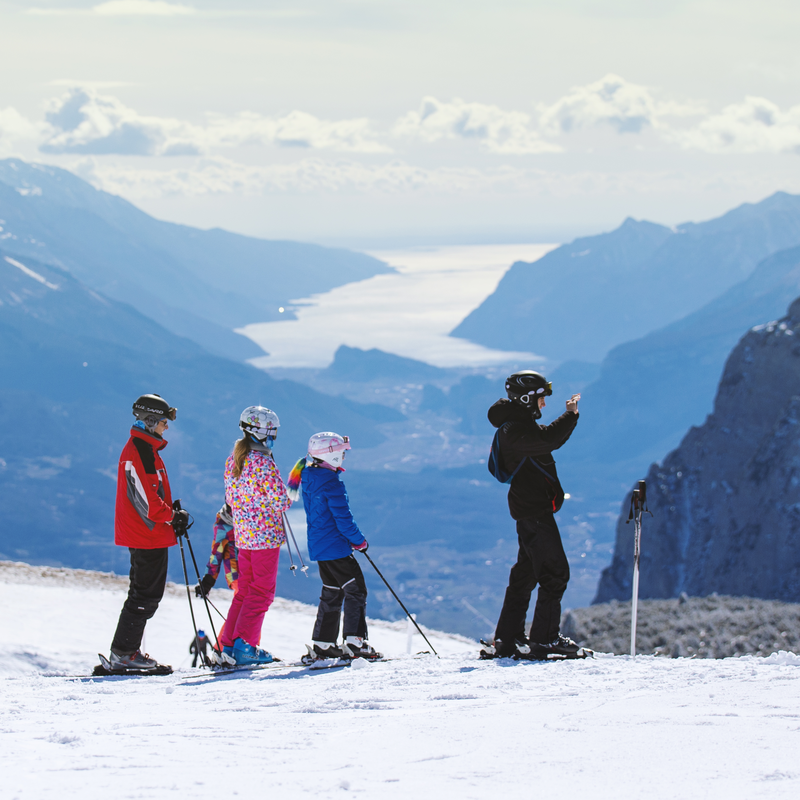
column 332, row 537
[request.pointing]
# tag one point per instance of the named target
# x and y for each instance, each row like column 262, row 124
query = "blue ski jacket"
column 332, row 531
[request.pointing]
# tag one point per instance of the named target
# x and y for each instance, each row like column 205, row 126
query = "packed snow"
column 416, row 726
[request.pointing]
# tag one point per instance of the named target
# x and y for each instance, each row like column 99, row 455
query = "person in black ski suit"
column 534, row 497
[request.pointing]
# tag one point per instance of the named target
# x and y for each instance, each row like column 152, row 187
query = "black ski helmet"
column 526, row 387
column 152, row 408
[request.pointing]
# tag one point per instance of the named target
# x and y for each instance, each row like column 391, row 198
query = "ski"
column 105, row 670
column 488, row 652
column 256, row 668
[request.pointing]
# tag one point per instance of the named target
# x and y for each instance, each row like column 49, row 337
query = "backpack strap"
column 547, row 475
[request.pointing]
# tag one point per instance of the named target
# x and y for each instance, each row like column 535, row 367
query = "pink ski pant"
column 258, row 573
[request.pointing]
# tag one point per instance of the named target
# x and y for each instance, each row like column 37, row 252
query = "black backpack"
column 504, row 476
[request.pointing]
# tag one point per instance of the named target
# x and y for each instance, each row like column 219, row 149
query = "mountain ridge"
column 197, row 283
column 626, row 283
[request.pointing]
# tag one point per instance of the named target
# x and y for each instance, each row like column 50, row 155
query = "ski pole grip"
column 643, row 493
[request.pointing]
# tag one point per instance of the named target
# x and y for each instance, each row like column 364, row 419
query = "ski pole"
column 292, row 566
column 188, row 594
column 205, row 598
column 380, row 575
column 638, row 507
column 215, row 609
column 177, row 506
column 303, row 566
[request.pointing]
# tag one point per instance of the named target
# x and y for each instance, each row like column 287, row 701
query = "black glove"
column 205, row 586
column 180, row 522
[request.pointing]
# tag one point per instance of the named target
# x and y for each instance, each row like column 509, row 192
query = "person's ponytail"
column 240, row 451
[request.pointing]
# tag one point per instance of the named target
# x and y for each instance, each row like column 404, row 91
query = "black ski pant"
column 541, row 559
column 342, row 583
column 148, row 579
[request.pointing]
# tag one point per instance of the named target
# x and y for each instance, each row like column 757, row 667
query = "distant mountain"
column 357, row 365
column 725, row 502
column 196, row 283
column 72, row 363
column 651, row 390
column 582, row 299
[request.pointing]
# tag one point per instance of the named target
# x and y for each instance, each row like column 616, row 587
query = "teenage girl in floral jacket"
column 257, row 497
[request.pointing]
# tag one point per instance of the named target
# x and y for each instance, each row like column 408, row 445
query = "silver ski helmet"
column 259, row 423
column 328, row 447
column 152, row 409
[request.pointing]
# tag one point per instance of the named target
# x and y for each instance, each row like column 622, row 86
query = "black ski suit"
column 533, row 499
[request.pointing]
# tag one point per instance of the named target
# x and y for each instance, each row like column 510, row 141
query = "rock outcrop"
column 726, row 502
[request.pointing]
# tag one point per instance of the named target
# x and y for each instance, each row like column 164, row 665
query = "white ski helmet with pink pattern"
column 259, row 422
column 328, row 447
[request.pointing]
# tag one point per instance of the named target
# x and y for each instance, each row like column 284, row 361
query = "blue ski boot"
column 246, row 654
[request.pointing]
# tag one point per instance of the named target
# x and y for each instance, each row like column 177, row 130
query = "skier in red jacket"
column 146, row 524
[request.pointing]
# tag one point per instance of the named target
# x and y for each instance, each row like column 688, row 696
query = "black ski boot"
column 323, row 651
column 130, row 664
column 328, row 650
column 559, row 649
column 356, row 647
column 518, row 648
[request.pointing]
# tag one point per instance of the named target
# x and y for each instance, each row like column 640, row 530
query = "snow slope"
column 452, row 727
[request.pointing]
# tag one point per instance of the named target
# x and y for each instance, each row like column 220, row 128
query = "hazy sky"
column 374, row 122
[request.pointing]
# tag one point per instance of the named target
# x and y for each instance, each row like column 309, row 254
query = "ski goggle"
column 528, row 398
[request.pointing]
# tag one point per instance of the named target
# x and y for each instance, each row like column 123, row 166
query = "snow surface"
column 414, row 727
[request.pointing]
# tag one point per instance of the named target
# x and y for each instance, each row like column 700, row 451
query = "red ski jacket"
column 144, row 500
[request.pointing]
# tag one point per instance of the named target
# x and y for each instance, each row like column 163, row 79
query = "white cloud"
column 626, row 107
column 84, row 121
column 141, row 7
column 219, row 176
column 296, row 129
column 498, row 131
column 756, row 125
column 311, row 175
column 120, row 8
column 16, row 129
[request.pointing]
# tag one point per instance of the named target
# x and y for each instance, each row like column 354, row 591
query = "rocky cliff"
column 726, row 502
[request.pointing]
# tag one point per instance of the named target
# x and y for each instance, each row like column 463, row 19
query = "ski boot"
column 245, row 654
column 356, row 647
column 223, row 658
column 129, row 664
column 141, row 662
column 561, row 648
column 517, row 649
column 487, row 651
column 322, row 651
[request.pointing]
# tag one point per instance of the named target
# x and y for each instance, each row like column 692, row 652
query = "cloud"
column 626, row 107
column 311, row 175
column 218, row 176
column 498, row 131
column 296, row 129
column 157, row 8
column 84, row 121
column 756, row 125
column 16, row 129
column 120, row 8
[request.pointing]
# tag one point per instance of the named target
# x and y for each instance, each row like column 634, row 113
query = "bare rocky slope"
column 725, row 503
column 701, row 627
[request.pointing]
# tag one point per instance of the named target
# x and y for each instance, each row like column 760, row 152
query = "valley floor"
column 413, row 727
